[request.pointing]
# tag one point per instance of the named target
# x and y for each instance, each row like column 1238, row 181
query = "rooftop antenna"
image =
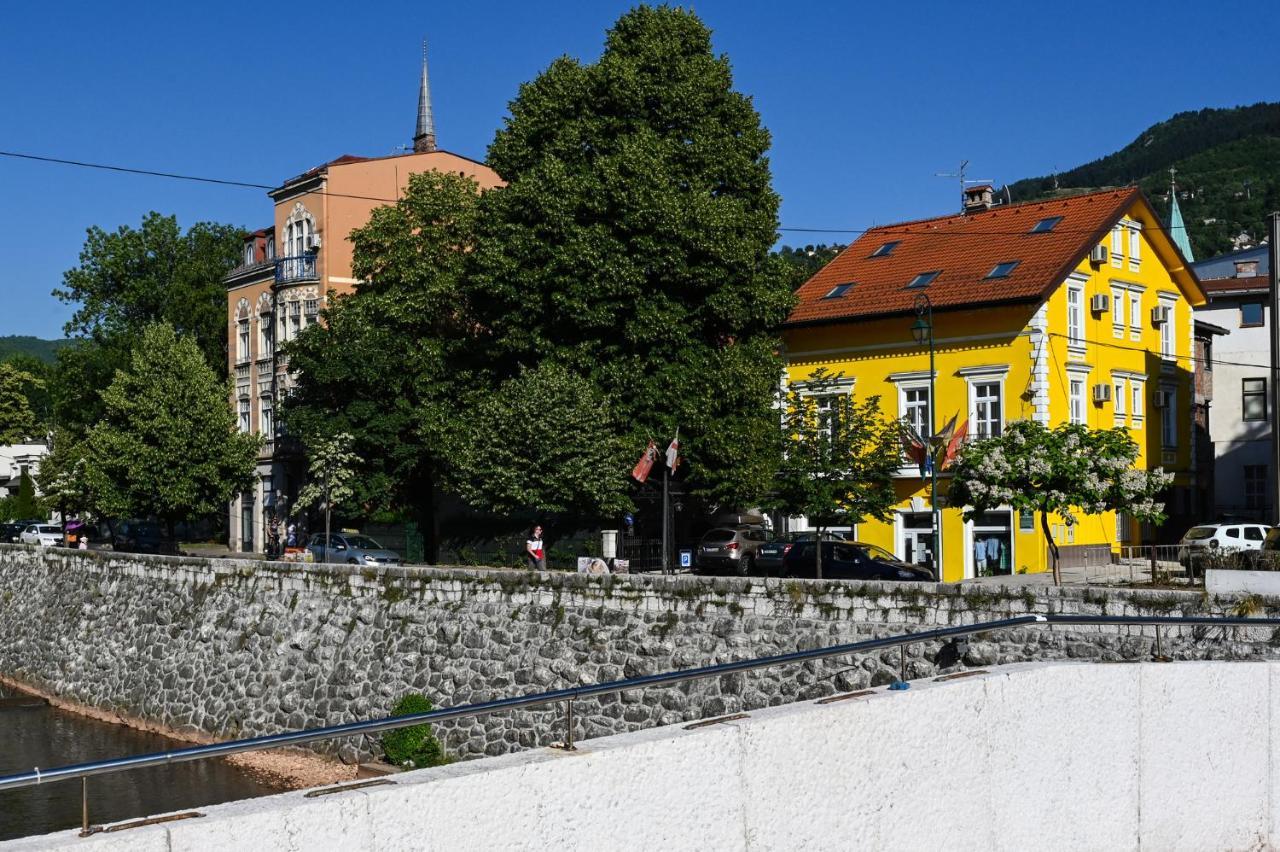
column 960, row 175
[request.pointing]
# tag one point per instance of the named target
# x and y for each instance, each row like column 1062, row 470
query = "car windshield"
column 1199, row 533
column 363, row 542
column 47, row 529
column 719, row 535
column 879, row 553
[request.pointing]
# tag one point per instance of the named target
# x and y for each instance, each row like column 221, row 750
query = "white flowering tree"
column 1068, row 470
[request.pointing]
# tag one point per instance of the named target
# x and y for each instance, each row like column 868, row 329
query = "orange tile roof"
column 965, row 248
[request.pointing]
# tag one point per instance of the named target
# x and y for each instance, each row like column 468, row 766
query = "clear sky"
column 866, row 102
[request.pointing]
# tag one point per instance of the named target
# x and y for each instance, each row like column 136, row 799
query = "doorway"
column 992, row 538
column 918, row 539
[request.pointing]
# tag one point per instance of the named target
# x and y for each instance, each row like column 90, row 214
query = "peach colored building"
column 287, row 273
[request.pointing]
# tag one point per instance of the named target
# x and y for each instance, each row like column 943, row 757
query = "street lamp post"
column 922, row 331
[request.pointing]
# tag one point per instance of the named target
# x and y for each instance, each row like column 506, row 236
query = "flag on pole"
column 943, row 438
column 953, row 446
column 912, row 443
column 641, row 471
column 673, row 452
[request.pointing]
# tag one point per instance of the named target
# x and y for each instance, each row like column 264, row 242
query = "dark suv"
column 851, row 560
column 731, row 550
column 142, row 537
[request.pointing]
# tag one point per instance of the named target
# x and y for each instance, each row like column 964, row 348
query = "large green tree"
column 381, row 365
column 632, row 246
column 128, row 279
column 167, row 444
column 18, row 419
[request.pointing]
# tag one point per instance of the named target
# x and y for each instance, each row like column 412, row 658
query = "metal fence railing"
column 567, row 697
column 1171, row 565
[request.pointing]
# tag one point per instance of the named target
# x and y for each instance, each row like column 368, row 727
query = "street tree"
column 547, row 441
column 18, row 421
column 632, row 245
column 167, row 444
column 1066, row 471
column 380, row 366
column 838, row 457
column 128, row 279
column 64, row 476
column 330, row 470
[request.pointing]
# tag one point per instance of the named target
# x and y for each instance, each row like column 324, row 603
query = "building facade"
column 1237, row 288
column 289, row 272
column 17, row 459
column 1071, row 310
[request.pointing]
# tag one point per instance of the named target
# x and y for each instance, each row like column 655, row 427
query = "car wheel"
column 352, row 562
column 747, row 566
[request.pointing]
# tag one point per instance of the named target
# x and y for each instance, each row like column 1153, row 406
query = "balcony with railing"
column 299, row 268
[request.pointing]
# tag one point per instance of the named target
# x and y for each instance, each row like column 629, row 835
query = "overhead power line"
column 917, row 230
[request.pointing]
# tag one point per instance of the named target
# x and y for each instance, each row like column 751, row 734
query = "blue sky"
column 866, row 102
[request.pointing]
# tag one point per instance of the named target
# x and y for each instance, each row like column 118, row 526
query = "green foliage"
column 804, row 261
column 167, row 444
column 18, row 422
column 14, row 346
column 330, row 468
column 416, row 746
column 1228, row 163
column 25, row 503
column 1065, row 470
column 632, row 245
column 64, row 475
column 839, row 455
column 545, row 440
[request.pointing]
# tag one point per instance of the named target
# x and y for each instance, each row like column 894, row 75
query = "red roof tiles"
column 966, row 248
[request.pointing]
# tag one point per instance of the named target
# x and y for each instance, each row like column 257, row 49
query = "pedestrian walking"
column 534, row 553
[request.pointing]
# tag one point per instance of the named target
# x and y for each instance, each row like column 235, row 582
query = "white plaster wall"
column 1056, row 756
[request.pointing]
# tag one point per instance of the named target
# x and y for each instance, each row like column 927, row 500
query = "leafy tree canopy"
column 805, row 261
column 632, row 245
column 167, row 445
column 18, row 420
column 1064, row 470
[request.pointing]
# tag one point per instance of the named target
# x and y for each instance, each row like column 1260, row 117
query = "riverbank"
column 290, row 769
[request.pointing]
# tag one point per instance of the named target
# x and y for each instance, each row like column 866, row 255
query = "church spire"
column 1178, row 228
column 424, row 138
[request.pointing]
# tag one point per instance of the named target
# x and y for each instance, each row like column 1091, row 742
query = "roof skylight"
column 886, row 249
column 924, row 279
column 1002, row 270
column 1046, row 225
column 838, row 291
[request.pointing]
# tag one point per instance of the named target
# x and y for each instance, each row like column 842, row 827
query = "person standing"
column 534, row 553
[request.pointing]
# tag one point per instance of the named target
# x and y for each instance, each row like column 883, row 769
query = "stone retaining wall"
column 238, row 648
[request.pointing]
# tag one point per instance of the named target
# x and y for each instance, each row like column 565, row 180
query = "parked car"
column 769, row 556
column 730, row 550
column 142, row 537
column 1212, row 539
column 353, row 549
column 11, row 533
column 850, row 560
column 45, row 535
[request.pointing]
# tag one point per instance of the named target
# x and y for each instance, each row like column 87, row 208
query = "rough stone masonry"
column 238, row 648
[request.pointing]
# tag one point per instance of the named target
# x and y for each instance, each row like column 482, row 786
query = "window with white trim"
column 1137, row 391
column 1135, row 248
column 988, row 415
column 1168, row 330
column 244, row 414
column 1253, row 399
column 248, row 254
column 1120, row 392
column 271, row 248
column 266, row 335
column 1135, row 315
column 915, row 408
column 1075, row 315
column 1117, row 246
column 242, row 336
column 295, row 319
column 265, row 416
column 828, row 411
column 1075, row 398
column 1119, row 299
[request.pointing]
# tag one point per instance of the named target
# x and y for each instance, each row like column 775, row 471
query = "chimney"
column 978, row 198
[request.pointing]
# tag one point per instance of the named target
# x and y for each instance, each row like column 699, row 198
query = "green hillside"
column 1228, row 163
column 17, row 344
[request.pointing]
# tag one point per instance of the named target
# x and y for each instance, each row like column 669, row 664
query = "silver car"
column 731, row 550
column 351, row 548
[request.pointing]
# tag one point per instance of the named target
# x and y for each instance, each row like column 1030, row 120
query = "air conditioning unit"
column 1102, row 392
column 1098, row 254
column 1160, row 315
column 1100, row 303
column 1158, row 400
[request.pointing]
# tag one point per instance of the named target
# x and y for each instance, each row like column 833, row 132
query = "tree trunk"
column 817, row 553
column 1053, row 548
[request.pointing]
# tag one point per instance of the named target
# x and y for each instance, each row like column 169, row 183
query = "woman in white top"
column 533, row 551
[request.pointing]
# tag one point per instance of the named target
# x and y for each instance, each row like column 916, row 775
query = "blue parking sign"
column 686, row 559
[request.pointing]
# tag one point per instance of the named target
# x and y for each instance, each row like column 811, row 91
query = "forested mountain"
column 18, row 344
column 1228, row 172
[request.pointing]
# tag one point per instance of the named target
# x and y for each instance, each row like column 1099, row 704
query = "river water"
column 43, row 736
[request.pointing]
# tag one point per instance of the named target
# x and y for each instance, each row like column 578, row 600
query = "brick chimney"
column 978, row 198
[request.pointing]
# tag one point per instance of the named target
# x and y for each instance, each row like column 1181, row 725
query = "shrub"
column 414, row 747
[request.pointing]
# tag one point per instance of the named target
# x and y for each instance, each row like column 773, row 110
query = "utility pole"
column 1273, row 253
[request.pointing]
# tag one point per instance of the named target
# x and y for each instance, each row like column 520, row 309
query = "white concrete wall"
column 1051, row 756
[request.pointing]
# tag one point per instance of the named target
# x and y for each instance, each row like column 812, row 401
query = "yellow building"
column 1072, row 310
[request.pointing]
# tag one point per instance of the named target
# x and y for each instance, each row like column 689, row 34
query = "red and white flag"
column 673, row 452
column 641, row 471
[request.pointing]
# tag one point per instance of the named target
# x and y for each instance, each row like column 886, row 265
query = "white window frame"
column 1120, row 389
column 842, row 386
column 976, row 377
column 1119, row 304
column 1169, row 329
column 1077, row 385
column 1117, row 246
column 1135, row 246
column 1137, row 394
column 244, row 415
column 1075, row 316
column 242, row 338
column 248, row 253
column 266, row 416
column 906, row 382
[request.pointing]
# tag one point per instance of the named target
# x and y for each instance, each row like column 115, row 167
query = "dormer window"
column 248, row 254
column 886, row 249
column 271, row 248
column 839, row 290
column 1002, row 270
column 924, row 279
column 1046, row 225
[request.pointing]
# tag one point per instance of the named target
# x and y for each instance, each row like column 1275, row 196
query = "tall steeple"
column 1178, row 228
column 424, row 138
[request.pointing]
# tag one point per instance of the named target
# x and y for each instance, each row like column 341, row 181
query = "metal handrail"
column 568, row 695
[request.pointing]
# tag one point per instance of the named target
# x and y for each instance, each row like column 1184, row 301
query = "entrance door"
column 992, row 544
column 246, row 523
column 917, row 539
